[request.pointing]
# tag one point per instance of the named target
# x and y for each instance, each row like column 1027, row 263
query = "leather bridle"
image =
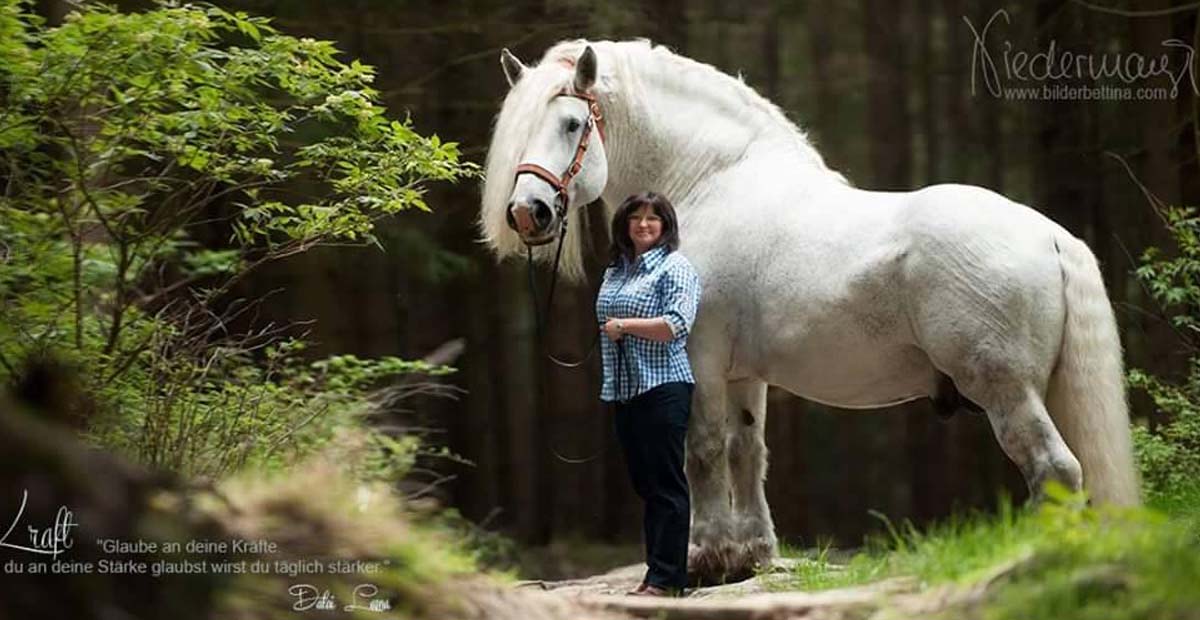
column 560, row 183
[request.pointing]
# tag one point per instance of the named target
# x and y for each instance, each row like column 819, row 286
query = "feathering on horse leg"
column 755, row 531
column 711, row 552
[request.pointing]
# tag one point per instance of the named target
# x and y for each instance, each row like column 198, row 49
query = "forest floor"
column 1057, row 561
column 757, row 597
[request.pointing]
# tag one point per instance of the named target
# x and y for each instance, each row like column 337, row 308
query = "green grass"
column 951, row 550
column 1063, row 560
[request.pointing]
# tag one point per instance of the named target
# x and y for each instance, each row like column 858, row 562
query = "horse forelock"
column 523, row 107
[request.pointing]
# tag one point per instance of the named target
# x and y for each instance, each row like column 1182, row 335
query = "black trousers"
column 652, row 428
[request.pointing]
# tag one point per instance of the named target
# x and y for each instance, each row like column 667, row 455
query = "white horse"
column 848, row 297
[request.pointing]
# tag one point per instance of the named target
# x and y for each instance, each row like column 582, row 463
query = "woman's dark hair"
column 622, row 245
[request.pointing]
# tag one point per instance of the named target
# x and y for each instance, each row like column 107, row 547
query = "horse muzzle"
column 533, row 220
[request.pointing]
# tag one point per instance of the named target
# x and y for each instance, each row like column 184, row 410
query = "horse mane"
column 734, row 94
column 623, row 67
column 523, row 108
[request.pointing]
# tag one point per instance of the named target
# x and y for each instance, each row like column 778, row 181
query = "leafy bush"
column 150, row 161
column 1169, row 455
column 208, row 420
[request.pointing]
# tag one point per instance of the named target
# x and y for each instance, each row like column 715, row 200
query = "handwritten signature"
column 309, row 597
column 1054, row 63
column 51, row 540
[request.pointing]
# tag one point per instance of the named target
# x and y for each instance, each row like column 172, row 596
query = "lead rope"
column 619, row 373
column 537, row 313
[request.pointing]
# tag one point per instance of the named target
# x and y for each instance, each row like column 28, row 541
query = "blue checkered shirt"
column 660, row 283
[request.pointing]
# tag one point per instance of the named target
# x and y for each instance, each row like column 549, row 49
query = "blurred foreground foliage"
column 1061, row 559
column 318, row 522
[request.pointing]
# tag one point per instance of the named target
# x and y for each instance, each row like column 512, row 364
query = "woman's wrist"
column 657, row 328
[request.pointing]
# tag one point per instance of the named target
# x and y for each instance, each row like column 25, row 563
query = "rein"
column 560, row 185
column 537, row 313
column 541, row 332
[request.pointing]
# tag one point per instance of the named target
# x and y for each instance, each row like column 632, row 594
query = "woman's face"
column 645, row 228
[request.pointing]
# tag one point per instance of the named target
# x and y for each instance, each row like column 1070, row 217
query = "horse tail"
column 1086, row 396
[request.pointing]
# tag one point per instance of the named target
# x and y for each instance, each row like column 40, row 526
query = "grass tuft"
column 1059, row 560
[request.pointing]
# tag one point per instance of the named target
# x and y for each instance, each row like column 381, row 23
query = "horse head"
column 563, row 163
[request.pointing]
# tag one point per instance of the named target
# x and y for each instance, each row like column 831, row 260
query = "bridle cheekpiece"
column 560, row 183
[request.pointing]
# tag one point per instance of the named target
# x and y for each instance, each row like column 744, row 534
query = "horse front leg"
column 747, row 421
column 712, row 552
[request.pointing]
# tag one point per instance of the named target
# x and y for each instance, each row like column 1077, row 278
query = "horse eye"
column 572, row 125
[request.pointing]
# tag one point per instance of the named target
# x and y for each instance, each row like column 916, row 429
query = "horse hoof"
column 716, row 564
column 758, row 553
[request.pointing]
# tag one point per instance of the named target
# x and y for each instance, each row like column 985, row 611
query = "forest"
column 244, row 297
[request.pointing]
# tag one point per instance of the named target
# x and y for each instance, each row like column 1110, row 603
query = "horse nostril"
column 541, row 212
column 508, row 217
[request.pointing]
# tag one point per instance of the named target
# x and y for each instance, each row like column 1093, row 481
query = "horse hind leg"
column 1027, row 434
column 754, row 530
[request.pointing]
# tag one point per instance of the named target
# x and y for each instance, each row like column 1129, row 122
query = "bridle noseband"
column 560, row 183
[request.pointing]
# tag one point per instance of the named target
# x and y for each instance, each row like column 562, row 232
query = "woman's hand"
column 656, row 329
column 614, row 329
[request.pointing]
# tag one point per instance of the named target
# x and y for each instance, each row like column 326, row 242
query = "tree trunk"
column 53, row 11
column 889, row 126
column 928, row 70
column 888, row 121
column 821, row 50
column 1187, row 28
column 956, row 91
column 1065, row 185
column 669, row 23
column 513, row 362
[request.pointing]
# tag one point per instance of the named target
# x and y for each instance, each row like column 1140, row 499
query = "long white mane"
column 629, row 73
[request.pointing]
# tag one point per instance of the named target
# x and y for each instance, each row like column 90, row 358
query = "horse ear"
column 585, row 70
column 513, row 69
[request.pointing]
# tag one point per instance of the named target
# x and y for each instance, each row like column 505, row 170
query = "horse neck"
column 675, row 140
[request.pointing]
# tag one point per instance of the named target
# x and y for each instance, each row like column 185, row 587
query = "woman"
column 646, row 307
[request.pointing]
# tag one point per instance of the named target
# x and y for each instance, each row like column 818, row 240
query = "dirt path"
column 756, row 598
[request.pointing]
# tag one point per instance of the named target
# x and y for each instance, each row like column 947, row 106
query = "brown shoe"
column 650, row 590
